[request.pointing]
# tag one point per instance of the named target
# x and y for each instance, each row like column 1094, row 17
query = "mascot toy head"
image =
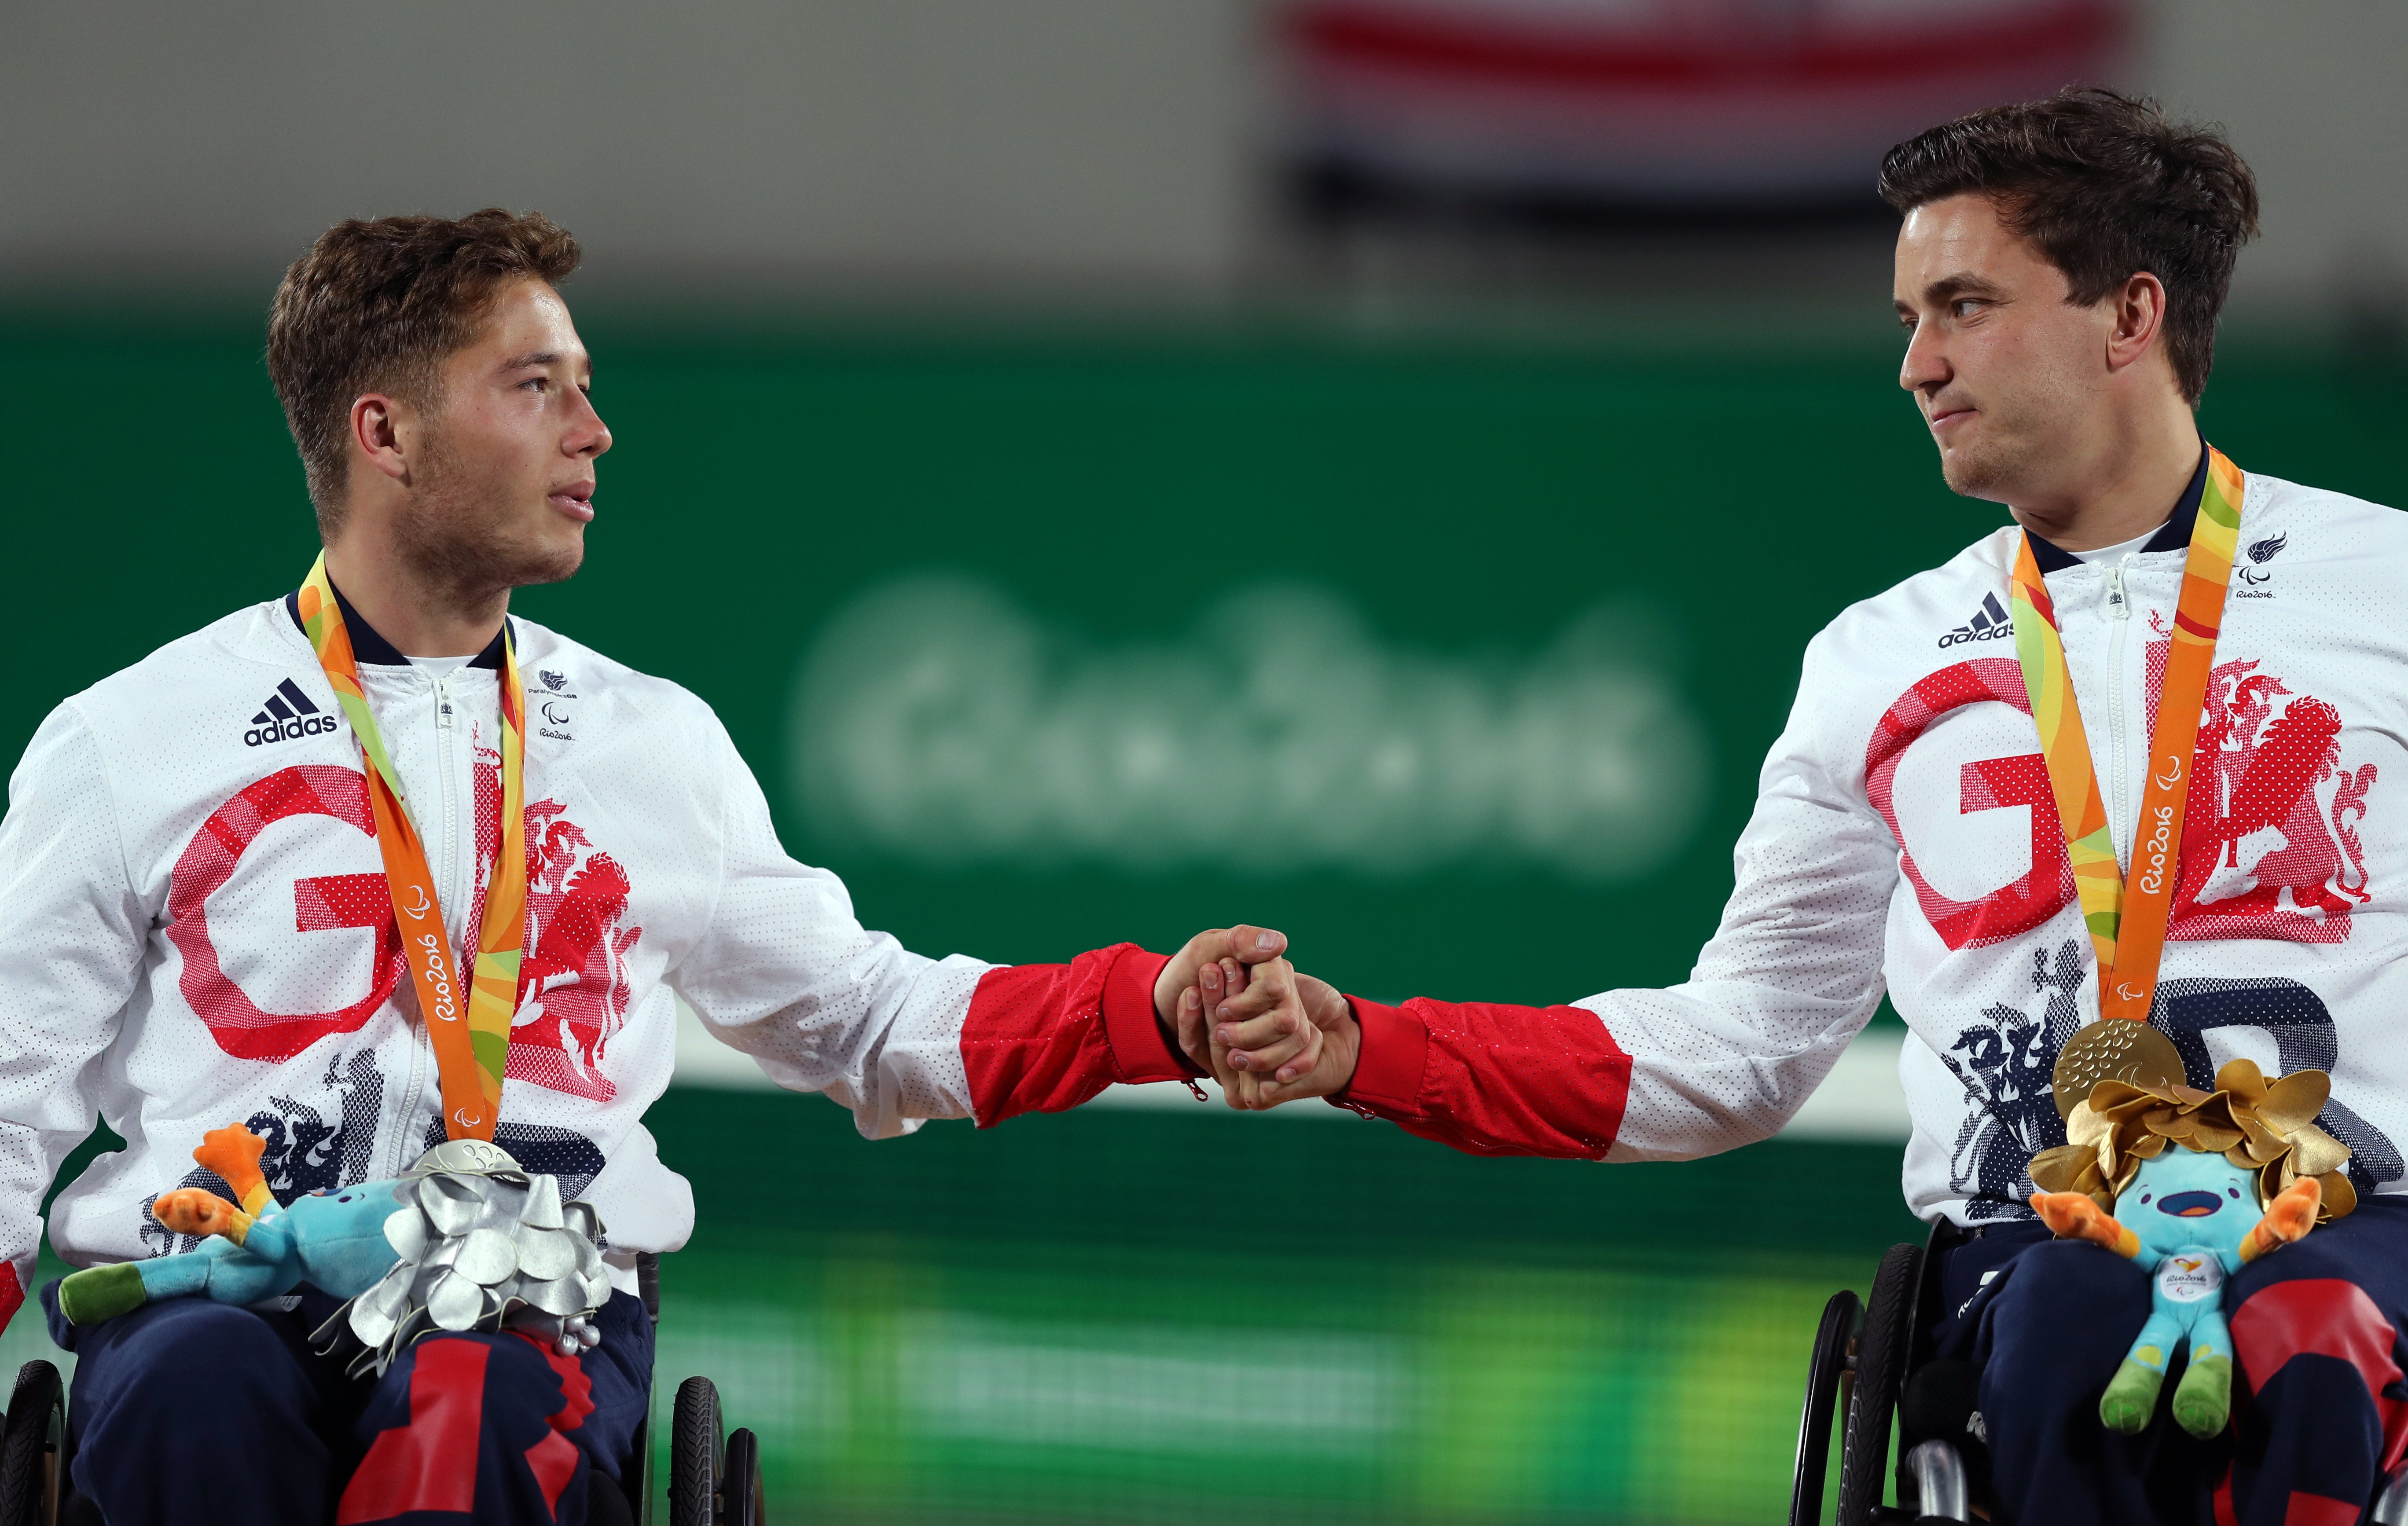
column 2184, row 1198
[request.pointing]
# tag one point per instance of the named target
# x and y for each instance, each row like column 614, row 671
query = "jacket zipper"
column 2119, row 619
column 444, row 739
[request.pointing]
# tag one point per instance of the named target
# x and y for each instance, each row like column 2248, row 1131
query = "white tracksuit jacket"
column 1904, row 839
column 196, row 930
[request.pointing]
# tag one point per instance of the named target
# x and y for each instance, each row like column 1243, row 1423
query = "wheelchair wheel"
column 739, row 1482
column 1882, row 1349
column 1827, row 1367
column 695, row 1452
column 32, row 1443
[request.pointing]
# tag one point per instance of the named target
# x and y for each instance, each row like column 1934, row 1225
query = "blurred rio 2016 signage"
column 937, row 721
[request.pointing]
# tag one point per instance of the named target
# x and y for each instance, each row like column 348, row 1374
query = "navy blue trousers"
column 193, row 1413
column 2320, row 1405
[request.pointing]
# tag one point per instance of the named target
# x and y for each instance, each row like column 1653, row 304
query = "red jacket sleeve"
column 1491, row 1079
column 1041, row 1038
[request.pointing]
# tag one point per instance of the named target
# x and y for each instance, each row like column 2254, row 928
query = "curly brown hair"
column 2107, row 188
column 377, row 304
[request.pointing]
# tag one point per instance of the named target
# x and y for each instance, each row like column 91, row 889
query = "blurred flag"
column 1673, row 108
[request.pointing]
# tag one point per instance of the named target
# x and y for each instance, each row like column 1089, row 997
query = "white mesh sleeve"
column 1791, row 975
column 786, row 973
column 72, row 931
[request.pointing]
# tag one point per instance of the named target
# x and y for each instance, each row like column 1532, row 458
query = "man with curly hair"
column 374, row 863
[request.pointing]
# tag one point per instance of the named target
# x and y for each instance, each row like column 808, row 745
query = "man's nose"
column 591, row 436
column 1924, row 364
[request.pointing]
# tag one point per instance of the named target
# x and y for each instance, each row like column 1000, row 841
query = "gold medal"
column 2132, row 1052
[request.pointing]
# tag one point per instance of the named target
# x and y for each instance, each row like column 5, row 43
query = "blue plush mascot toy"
column 2191, row 1184
column 334, row 1241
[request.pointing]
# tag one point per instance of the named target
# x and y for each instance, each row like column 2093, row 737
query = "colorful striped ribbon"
column 472, row 1046
column 2126, row 915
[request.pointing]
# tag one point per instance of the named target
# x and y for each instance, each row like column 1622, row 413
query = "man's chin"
column 513, row 566
column 553, row 564
column 550, row 555
column 1970, row 475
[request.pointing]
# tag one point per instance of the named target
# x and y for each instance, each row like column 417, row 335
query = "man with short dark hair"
column 373, row 864
column 2059, row 270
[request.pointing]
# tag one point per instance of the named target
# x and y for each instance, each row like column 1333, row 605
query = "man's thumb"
column 1255, row 945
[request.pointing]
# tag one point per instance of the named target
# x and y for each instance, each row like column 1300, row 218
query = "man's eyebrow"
column 1963, row 284
column 532, row 359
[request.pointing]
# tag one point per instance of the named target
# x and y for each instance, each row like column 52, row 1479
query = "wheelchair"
column 714, row 1476
column 1869, row 1375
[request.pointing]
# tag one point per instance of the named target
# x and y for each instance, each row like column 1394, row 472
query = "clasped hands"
column 1267, row 1032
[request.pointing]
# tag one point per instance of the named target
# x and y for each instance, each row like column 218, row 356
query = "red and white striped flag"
column 1673, row 104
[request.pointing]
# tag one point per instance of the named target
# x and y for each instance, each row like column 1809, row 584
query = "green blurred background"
column 1178, row 1314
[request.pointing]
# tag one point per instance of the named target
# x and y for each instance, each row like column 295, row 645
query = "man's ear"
column 384, row 430
column 2139, row 311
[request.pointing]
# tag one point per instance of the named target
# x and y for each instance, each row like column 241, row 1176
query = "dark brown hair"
column 378, row 305
column 2107, row 188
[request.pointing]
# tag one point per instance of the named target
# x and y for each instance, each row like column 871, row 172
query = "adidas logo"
column 1989, row 623
column 288, row 714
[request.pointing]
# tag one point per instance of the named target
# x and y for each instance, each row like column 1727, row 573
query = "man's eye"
column 539, row 383
column 1964, row 307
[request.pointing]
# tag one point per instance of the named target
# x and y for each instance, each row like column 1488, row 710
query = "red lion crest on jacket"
column 573, row 987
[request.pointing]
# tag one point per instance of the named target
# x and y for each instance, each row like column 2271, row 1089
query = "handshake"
column 1264, row 1030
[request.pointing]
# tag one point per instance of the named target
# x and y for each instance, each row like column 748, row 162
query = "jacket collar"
column 2173, row 536
column 367, row 646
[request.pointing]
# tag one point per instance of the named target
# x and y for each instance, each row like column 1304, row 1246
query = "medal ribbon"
column 2127, row 918
column 468, row 1024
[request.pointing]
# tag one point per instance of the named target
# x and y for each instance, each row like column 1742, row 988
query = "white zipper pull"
column 442, row 704
column 2118, row 607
